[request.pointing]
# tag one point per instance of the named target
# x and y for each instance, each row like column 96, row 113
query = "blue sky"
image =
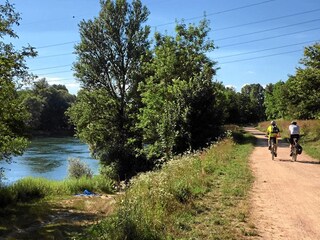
column 259, row 41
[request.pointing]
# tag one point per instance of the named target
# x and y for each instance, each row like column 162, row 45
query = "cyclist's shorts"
column 297, row 136
column 274, row 139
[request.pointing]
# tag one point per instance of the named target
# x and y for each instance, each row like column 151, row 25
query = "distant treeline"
column 46, row 106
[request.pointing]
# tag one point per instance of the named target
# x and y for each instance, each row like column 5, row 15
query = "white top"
column 294, row 129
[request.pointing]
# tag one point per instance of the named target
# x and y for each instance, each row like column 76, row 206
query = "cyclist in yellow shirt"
column 273, row 133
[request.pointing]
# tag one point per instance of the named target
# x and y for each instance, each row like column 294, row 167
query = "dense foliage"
column 246, row 106
column 110, row 56
column 179, row 94
column 140, row 102
column 299, row 96
column 46, row 105
column 13, row 72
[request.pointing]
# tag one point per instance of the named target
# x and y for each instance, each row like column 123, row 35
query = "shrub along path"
column 286, row 195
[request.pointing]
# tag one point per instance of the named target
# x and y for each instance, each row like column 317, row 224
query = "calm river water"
column 48, row 157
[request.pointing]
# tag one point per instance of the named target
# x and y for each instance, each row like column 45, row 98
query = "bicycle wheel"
column 294, row 154
column 272, row 150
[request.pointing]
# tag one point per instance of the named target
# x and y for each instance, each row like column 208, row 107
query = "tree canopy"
column 13, row 73
column 299, row 96
column 181, row 108
column 108, row 66
column 141, row 102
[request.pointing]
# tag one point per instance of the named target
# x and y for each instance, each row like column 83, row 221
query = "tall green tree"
column 13, row 72
column 108, row 66
column 232, row 106
column 303, row 94
column 311, row 57
column 303, row 88
column 275, row 100
column 254, row 93
column 181, row 103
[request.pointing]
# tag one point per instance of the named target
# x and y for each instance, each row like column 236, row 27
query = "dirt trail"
column 286, row 194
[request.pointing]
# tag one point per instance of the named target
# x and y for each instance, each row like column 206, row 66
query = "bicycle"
column 294, row 152
column 273, row 143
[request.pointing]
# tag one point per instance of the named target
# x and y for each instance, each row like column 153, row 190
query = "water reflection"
column 48, row 157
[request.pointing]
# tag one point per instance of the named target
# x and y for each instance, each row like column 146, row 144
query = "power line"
column 227, row 56
column 266, row 20
column 60, row 66
column 267, row 49
column 55, row 55
column 240, row 25
column 240, row 35
column 219, row 12
column 58, row 44
column 192, row 18
column 62, row 80
column 53, row 73
column 265, row 56
column 266, row 38
column 267, row 30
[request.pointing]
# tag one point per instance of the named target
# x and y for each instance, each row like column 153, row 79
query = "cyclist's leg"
column 275, row 144
column 291, row 144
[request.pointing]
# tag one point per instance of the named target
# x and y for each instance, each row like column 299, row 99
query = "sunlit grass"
column 30, row 188
column 197, row 196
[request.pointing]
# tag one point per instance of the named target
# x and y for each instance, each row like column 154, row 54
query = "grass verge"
column 30, row 189
column 197, row 196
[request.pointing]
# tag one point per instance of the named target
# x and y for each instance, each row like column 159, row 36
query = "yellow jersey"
column 271, row 132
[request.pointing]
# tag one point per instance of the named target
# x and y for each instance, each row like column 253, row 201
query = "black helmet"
column 294, row 122
column 273, row 122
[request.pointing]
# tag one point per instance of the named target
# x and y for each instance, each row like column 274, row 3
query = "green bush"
column 78, row 169
column 28, row 189
column 109, row 171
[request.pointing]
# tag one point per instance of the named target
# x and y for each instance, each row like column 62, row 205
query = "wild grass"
column 30, row 189
column 197, row 196
column 310, row 134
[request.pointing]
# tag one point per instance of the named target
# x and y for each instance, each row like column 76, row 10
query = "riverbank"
column 37, row 208
column 48, row 157
column 202, row 194
column 55, row 218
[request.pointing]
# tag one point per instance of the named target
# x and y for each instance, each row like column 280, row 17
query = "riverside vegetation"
column 202, row 194
column 197, row 195
column 162, row 103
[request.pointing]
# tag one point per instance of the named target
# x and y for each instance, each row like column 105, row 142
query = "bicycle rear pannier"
column 299, row 148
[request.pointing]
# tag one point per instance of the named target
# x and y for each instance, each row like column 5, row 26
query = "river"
column 48, row 157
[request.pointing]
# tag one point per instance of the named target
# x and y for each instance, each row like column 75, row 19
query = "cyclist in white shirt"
column 294, row 132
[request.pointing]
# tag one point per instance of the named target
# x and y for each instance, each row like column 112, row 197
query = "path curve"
column 286, row 195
